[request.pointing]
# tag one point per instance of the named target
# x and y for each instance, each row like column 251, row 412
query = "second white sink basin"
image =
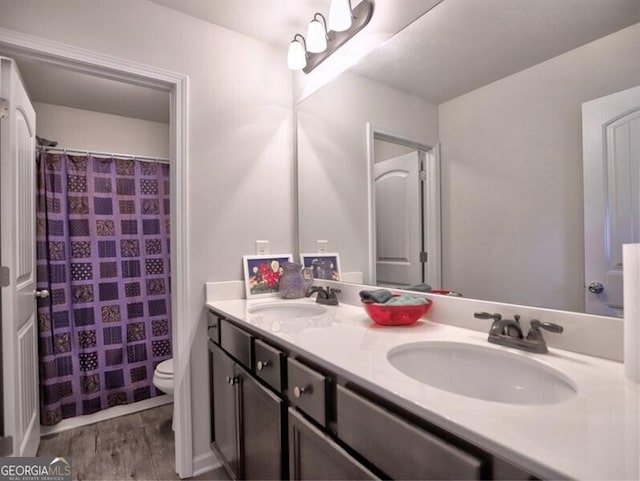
column 482, row 372
column 287, row 310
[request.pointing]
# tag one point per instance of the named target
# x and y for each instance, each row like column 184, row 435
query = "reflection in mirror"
column 499, row 85
column 404, row 186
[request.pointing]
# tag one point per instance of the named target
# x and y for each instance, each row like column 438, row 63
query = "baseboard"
column 204, row 463
column 110, row 413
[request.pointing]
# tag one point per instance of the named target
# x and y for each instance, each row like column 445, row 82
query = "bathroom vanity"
column 319, row 395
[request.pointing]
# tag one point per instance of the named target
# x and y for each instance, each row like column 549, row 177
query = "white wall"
column 512, row 192
column 332, row 159
column 240, row 142
column 87, row 130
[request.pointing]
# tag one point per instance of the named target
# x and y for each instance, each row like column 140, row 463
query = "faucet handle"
column 535, row 334
column 547, row 326
column 486, row 315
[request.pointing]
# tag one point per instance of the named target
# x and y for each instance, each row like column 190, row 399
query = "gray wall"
column 87, row 130
column 512, row 190
column 332, row 159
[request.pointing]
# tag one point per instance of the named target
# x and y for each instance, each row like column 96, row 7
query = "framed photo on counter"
column 262, row 274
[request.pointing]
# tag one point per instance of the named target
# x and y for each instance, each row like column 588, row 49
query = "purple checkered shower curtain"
column 103, row 253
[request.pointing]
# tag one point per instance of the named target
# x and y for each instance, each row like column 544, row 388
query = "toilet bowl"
column 163, row 376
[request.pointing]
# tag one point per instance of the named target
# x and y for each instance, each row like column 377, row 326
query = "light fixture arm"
column 304, row 42
column 324, row 22
column 361, row 15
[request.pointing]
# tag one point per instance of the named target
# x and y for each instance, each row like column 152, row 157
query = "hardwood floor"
column 138, row 446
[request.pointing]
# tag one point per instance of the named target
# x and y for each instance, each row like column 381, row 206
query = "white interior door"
column 398, row 220
column 611, row 163
column 17, row 255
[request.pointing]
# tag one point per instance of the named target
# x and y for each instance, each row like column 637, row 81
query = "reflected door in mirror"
column 399, row 220
column 611, row 149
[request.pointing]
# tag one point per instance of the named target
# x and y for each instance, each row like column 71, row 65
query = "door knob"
column 596, row 287
column 42, row 293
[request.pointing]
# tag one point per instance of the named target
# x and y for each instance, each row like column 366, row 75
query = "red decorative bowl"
column 395, row 315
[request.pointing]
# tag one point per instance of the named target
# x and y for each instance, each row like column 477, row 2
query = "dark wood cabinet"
column 262, row 430
column 277, row 415
column 225, row 409
column 398, row 448
column 247, row 420
column 307, row 390
column 314, row 455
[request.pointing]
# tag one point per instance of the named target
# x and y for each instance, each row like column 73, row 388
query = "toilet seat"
column 165, row 369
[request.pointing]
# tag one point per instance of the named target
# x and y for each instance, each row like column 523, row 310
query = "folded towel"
column 379, row 295
column 418, row 288
column 406, row 301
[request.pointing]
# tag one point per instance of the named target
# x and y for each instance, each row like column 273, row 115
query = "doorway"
column 404, row 211
column 31, row 48
column 611, row 162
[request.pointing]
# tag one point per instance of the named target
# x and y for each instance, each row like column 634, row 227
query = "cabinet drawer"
column 307, row 390
column 236, row 342
column 314, row 455
column 213, row 327
column 268, row 364
column 396, row 447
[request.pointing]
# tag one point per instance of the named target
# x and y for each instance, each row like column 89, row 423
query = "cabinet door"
column 314, row 455
column 225, row 409
column 397, row 447
column 261, row 427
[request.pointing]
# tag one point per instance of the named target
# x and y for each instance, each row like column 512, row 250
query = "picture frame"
column 324, row 265
column 262, row 274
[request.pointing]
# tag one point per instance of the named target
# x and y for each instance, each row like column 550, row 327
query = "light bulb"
column 340, row 15
column 316, row 37
column 297, row 56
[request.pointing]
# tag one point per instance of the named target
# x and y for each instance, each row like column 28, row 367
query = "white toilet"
column 163, row 376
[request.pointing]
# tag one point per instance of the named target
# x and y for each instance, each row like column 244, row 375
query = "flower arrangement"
column 266, row 277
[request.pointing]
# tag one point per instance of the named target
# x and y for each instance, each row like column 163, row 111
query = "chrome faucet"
column 508, row 332
column 326, row 296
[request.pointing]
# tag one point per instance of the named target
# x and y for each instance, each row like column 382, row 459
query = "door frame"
column 177, row 85
column 599, row 258
column 432, row 225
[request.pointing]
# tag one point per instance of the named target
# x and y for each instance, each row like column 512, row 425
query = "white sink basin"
column 287, row 310
column 482, row 372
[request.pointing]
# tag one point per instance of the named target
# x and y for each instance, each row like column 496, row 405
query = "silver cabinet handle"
column 263, row 364
column 41, row 294
column 299, row 391
column 596, row 287
column 232, row 380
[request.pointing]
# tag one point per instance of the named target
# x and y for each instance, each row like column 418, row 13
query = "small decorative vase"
column 292, row 283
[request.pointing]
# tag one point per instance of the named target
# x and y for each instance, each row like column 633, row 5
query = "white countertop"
column 593, row 435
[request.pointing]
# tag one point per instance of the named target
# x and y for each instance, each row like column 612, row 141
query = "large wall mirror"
column 496, row 88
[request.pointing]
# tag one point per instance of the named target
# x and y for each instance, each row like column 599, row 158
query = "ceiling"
column 58, row 86
column 272, row 21
column 539, row 30
column 461, row 45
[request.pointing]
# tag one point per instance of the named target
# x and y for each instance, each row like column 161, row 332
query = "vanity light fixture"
column 340, row 15
column 297, row 56
column 323, row 39
column 317, row 34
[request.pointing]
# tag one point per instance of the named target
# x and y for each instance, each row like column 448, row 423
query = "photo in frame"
column 262, row 274
column 323, row 265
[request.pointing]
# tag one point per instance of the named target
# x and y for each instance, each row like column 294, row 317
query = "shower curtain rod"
column 142, row 158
